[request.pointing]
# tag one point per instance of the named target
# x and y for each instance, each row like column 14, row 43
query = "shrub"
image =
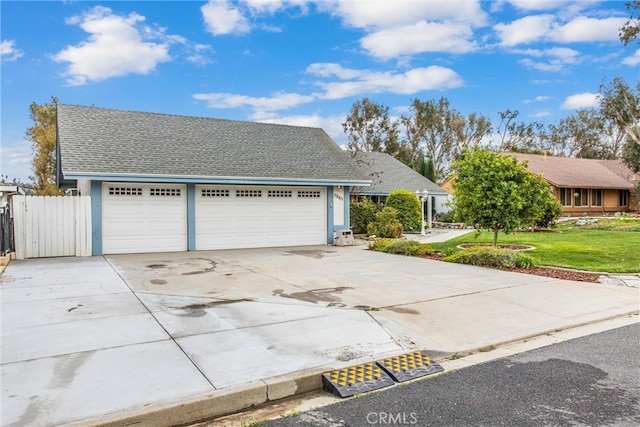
column 448, row 216
column 403, row 247
column 386, row 224
column 491, row 257
column 361, row 213
column 380, row 245
column 408, row 207
column 422, row 249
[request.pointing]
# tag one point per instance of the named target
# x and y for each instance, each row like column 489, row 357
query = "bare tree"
column 369, row 128
column 620, row 105
column 578, row 135
column 631, row 29
column 516, row 136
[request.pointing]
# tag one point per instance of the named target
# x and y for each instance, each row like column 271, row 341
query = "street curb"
column 215, row 404
column 243, row 397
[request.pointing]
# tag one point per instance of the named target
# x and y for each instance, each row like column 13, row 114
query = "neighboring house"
column 8, row 190
column 388, row 174
column 586, row 186
column 162, row 182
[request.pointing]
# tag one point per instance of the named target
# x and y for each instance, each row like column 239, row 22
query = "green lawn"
column 569, row 247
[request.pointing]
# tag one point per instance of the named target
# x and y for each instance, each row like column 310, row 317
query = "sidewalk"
column 438, row 235
column 165, row 339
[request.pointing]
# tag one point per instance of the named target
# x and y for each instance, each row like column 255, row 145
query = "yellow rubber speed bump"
column 355, row 379
column 409, row 366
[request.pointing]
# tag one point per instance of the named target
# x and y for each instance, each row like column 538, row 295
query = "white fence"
column 49, row 226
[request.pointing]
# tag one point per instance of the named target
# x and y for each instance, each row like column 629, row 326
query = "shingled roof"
column 388, row 174
column 579, row 173
column 105, row 143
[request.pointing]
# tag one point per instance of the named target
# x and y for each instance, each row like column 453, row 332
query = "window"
column 165, row 191
column 582, row 196
column 214, row 193
column 309, row 194
column 125, row 191
column 566, row 197
column 596, row 197
column 624, row 198
column 248, row 193
column 279, row 193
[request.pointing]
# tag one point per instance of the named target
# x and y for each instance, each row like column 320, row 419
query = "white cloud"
column 331, row 69
column 557, row 58
column 350, row 83
column 366, row 82
column 540, row 114
column 116, row 47
column 632, row 60
column 8, row 52
column 385, row 14
column 267, row 6
column 198, row 55
column 583, row 29
column 538, row 4
column 547, row 27
column 16, row 160
column 221, row 17
column 278, row 101
column 524, row 30
column 418, row 38
column 580, row 100
column 539, row 98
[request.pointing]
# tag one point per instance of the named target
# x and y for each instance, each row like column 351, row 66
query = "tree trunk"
column 495, row 237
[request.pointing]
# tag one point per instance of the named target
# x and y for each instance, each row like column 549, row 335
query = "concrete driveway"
column 88, row 338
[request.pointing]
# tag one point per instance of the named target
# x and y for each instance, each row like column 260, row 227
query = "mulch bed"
column 556, row 273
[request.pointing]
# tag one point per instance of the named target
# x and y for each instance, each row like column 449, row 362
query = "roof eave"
column 237, row 180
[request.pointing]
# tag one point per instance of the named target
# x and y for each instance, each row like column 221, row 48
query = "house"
column 388, row 174
column 162, row 182
column 585, row 186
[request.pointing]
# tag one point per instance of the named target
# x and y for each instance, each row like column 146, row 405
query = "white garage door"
column 250, row 217
column 143, row 218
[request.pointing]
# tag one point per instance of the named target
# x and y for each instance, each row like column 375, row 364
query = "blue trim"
column 214, row 180
column 330, row 238
column 191, row 217
column 96, row 218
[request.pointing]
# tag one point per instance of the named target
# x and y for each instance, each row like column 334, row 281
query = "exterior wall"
column 338, row 207
column 84, row 187
column 611, row 199
column 610, row 203
column 441, row 203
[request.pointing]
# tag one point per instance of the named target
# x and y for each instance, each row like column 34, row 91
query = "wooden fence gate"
column 50, row 226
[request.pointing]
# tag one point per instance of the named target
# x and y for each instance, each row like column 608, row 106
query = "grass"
column 570, row 246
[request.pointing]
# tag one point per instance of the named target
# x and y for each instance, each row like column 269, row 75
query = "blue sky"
column 306, row 62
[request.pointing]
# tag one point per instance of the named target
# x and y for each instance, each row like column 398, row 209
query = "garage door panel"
column 143, row 218
column 259, row 216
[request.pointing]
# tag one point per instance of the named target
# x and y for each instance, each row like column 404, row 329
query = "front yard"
column 570, row 246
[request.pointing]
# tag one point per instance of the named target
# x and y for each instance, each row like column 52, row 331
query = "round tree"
column 495, row 192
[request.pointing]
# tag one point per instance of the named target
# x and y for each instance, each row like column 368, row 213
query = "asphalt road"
column 589, row 381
